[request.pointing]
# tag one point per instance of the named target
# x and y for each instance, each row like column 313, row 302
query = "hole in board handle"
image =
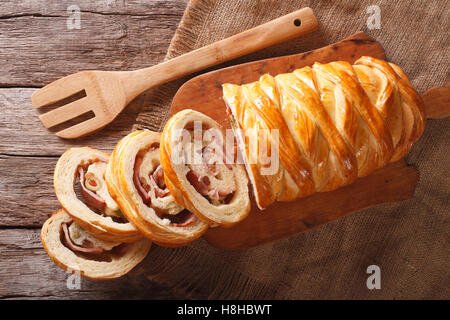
column 297, row 22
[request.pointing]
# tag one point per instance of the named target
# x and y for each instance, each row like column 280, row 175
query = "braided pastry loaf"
column 334, row 122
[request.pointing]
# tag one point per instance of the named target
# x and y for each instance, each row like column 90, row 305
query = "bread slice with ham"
column 81, row 190
column 75, row 249
column 200, row 171
column 135, row 179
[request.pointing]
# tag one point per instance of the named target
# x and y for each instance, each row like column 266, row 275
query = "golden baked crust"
column 65, row 178
column 136, row 156
column 335, row 121
column 51, row 235
column 232, row 177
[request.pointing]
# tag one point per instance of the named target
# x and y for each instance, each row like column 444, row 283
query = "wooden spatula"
column 107, row 93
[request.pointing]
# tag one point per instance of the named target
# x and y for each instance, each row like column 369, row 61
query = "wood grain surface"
column 36, row 47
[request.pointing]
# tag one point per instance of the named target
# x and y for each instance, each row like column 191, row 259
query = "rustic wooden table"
column 40, row 42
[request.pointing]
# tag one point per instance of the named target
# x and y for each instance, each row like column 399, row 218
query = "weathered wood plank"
column 27, row 272
column 36, row 46
column 21, row 132
column 26, row 190
column 112, row 7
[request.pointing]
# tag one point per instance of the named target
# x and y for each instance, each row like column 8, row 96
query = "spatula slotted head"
column 101, row 95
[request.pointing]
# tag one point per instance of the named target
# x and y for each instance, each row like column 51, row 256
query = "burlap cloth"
column 408, row 240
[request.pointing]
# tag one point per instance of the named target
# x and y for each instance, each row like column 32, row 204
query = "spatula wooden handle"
column 284, row 28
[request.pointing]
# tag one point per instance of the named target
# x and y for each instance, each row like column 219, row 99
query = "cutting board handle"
column 287, row 27
column 437, row 102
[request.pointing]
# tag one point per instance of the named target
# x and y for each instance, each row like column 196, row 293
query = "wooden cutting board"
column 395, row 182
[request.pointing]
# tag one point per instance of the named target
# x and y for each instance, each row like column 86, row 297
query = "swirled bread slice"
column 198, row 171
column 81, row 190
column 74, row 249
column 135, row 180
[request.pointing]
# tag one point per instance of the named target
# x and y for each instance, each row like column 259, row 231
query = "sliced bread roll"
column 199, row 171
column 135, row 180
column 74, row 249
column 81, row 190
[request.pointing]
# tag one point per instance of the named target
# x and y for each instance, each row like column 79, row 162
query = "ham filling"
column 157, row 182
column 158, row 185
column 182, row 219
column 92, row 199
column 137, row 183
column 200, row 176
column 89, row 251
column 77, row 248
